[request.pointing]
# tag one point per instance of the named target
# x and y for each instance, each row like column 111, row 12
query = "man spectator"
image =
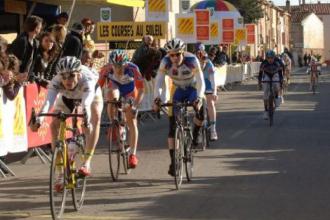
column 145, row 56
column 221, row 57
column 62, row 18
column 143, row 49
column 305, row 59
column 212, row 55
column 309, row 58
column 73, row 45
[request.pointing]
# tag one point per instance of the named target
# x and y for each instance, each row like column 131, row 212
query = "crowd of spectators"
column 33, row 55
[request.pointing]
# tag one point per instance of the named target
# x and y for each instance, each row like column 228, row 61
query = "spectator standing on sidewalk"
column 62, row 18
column 12, row 87
column 45, row 58
column 5, row 76
column 212, row 53
column 25, row 46
column 87, row 38
column 143, row 57
column 221, row 56
column 305, row 59
column 73, row 45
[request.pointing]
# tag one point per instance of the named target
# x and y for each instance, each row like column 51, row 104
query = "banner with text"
column 13, row 134
column 118, row 31
column 35, row 97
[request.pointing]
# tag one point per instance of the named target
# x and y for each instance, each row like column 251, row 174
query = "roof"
column 299, row 12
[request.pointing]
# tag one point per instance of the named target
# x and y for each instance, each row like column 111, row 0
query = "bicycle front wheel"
column 188, row 157
column 314, row 86
column 57, row 183
column 271, row 110
column 79, row 189
column 205, row 137
column 114, row 150
column 178, row 157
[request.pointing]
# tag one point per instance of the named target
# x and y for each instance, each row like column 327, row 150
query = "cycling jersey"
column 209, row 71
column 84, row 90
column 126, row 83
column 271, row 71
column 287, row 62
column 188, row 74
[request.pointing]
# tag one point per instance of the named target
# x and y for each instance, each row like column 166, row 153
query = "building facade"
column 273, row 29
column 310, row 29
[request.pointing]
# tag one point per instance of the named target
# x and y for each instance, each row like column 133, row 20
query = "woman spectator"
column 45, row 56
column 25, row 46
column 58, row 33
column 11, row 68
column 89, row 29
column 5, row 75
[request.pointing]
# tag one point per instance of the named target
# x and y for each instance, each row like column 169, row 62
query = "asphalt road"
column 253, row 172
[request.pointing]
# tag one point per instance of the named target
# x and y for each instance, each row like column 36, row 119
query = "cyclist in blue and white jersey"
column 188, row 85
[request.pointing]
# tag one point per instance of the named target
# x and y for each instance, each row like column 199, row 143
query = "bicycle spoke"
column 114, row 151
column 79, row 189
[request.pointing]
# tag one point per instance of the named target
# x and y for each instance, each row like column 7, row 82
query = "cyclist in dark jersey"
column 271, row 69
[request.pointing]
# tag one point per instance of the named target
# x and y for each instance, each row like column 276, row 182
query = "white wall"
column 313, row 32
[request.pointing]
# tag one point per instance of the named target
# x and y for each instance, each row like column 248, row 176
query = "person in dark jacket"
column 25, row 46
column 45, row 59
column 73, row 45
column 145, row 56
column 62, row 18
column 221, row 57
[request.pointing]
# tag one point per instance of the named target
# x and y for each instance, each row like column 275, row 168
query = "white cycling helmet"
column 68, row 64
column 175, row 45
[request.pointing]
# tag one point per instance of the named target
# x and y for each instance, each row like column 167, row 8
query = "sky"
column 295, row 2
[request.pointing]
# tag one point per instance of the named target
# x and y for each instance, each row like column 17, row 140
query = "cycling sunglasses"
column 175, row 54
column 68, row 76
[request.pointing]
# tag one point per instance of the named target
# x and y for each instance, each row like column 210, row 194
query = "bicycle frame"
column 62, row 135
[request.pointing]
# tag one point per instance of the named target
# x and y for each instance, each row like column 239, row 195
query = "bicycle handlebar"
column 61, row 114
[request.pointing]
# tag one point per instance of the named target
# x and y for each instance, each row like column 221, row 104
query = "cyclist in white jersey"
column 75, row 82
column 210, row 88
column 188, row 85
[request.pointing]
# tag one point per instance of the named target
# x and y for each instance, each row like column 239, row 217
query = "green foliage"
column 318, row 57
column 250, row 9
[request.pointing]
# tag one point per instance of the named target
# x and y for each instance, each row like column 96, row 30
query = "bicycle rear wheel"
column 57, row 186
column 178, row 157
column 188, row 157
column 79, row 189
column 114, row 150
